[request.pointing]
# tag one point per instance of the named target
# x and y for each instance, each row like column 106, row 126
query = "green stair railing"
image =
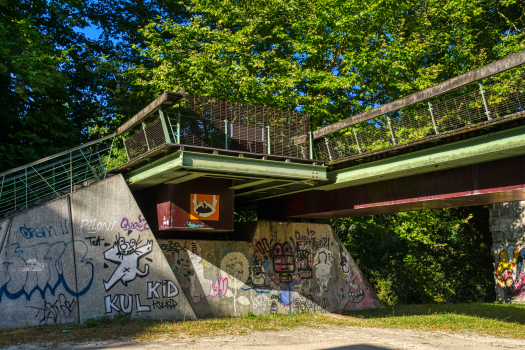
column 35, row 183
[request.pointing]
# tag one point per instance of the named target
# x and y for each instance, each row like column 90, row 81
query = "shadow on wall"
column 286, row 269
column 510, row 219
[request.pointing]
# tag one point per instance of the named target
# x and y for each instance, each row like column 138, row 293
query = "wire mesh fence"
column 148, row 136
column 210, row 122
column 430, row 118
column 54, row 176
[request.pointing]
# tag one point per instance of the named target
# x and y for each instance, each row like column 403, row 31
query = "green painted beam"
column 250, row 166
column 295, row 188
column 263, row 189
column 188, row 177
column 502, row 144
column 156, row 172
column 170, row 167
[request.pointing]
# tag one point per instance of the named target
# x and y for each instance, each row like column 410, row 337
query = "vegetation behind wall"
column 423, row 256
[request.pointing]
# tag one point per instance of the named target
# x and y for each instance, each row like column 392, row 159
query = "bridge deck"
column 253, row 176
column 267, row 152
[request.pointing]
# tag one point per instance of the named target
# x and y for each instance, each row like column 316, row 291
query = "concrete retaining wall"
column 120, row 266
column 92, row 254
column 37, row 277
column 287, row 268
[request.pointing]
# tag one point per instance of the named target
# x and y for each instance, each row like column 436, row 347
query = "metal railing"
column 209, row 122
column 425, row 119
column 54, row 176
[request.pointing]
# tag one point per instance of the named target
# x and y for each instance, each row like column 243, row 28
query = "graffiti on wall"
column 293, row 275
column 126, row 254
column 59, row 310
column 140, row 224
column 323, row 265
column 204, row 207
column 182, row 264
column 30, row 270
column 44, row 231
column 510, row 273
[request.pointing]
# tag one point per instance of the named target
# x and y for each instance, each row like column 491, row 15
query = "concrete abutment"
column 92, row 254
column 507, row 224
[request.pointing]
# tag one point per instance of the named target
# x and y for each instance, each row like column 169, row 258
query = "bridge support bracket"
column 431, row 110
column 484, row 99
column 392, row 134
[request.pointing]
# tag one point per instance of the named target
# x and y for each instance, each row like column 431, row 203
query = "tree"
column 60, row 88
column 335, row 58
column 424, row 256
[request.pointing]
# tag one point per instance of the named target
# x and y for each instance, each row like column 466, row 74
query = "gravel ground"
column 331, row 337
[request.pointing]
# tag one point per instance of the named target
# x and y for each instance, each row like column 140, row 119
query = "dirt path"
column 331, row 337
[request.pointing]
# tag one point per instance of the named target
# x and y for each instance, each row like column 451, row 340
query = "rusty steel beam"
column 470, row 77
column 479, row 184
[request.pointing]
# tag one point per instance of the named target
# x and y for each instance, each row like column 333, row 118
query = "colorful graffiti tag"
column 510, row 273
column 306, row 273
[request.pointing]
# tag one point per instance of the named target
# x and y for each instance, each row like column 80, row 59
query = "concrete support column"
column 507, row 224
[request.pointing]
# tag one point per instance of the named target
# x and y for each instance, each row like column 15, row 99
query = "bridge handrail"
column 56, row 155
column 485, row 104
column 65, row 172
column 467, row 78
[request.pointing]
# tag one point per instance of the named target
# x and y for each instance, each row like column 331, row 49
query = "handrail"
column 45, row 159
column 57, row 175
column 167, row 98
column 41, row 168
column 470, row 77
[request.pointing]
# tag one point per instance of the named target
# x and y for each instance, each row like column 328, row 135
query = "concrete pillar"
column 507, row 224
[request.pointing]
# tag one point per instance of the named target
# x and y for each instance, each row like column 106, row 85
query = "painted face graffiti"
column 126, row 248
column 258, row 275
column 236, row 265
column 358, row 298
column 355, row 294
column 127, row 256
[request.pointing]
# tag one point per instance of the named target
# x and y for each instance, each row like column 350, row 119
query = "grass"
column 502, row 320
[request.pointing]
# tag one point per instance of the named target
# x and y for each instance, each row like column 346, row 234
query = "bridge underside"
column 478, row 184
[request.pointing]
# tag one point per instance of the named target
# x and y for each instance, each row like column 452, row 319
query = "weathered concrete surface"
column 37, row 277
column 287, row 268
column 120, row 266
column 507, row 224
column 92, row 254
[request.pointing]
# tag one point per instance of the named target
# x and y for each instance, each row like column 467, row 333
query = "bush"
column 428, row 256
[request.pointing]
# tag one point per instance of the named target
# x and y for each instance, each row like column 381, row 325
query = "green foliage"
column 336, row 58
column 97, row 322
column 245, row 216
column 121, row 318
column 384, row 290
column 59, row 88
column 424, row 256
